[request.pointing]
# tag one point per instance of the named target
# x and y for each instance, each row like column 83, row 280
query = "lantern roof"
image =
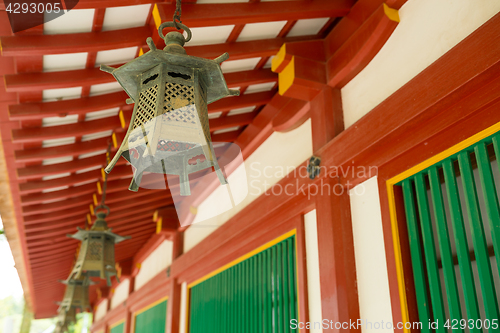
column 129, row 75
column 99, row 227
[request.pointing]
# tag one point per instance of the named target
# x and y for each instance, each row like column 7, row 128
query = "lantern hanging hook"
column 173, row 25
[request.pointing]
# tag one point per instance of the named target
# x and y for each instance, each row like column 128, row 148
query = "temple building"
column 336, row 170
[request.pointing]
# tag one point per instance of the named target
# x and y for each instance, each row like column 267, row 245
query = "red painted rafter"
column 90, row 4
column 102, row 102
column 72, row 43
column 67, row 107
column 74, row 150
column 203, row 15
column 87, row 77
column 65, row 131
column 107, row 124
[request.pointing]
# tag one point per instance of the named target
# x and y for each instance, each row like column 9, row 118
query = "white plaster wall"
column 312, row 263
column 156, row 262
column 272, row 161
column 428, row 29
column 121, row 293
column 101, row 310
column 369, row 251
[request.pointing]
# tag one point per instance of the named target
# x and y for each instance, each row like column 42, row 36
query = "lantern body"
column 169, row 125
column 64, row 318
column 76, row 294
column 97, row 251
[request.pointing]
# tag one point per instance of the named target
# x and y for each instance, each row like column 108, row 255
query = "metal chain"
column 177, row 14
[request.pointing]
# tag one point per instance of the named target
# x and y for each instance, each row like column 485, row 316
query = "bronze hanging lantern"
column 64, row 318
column 169, row 124
column 97, row 251
column 76, row 294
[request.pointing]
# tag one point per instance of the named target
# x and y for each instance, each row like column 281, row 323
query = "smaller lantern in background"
column 97, row 251
column 76, row 294
column 169, row 128
column 64, row 318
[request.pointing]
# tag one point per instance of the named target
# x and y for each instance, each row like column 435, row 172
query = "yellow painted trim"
column 278, row 59
column 119, row 322
column 141, row 52
column 159, row 225
column 146, row 308
column 99, row 190
column 244, row 257
column 155, row 215
column 122, row 118
column 94, row 197
column 91, row 206
column 392, row 204
column 103, row 174
column 286, row 77
column 89, row 219
column 405, row 317
column 391, row 13
column 113, row 137
column 156, row 16
column 446, row 153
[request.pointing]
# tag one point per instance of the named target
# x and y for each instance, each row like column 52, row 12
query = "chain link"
column 177, row 14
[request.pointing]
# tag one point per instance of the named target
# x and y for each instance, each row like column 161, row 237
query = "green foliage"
column 11, row 306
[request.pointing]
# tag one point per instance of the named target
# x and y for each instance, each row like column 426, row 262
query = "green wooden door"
column 257, row 295
column 118, row 328
column 452, row 210
column 153, row 320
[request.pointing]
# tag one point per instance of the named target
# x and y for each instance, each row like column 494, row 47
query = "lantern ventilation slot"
column 182, row 76
column 151, row 78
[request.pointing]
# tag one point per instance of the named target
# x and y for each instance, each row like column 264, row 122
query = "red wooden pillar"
column 326, row 116
column 339, row 296
column 174, row 301
column 127, row 326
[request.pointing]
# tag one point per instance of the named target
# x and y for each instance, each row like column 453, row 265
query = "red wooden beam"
column 94, row 126
column 79, row 106
column 29, row 45
column 203, row 15
column 91, row 4
column 74, row 150
column 243, row 50
column 64, row 131
column 86, row 77
column 361, row 46
column 56, row 206
column 34, row 199
column 231, row 121
column 32, row 172
column 242, row 101
column 39, row 186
